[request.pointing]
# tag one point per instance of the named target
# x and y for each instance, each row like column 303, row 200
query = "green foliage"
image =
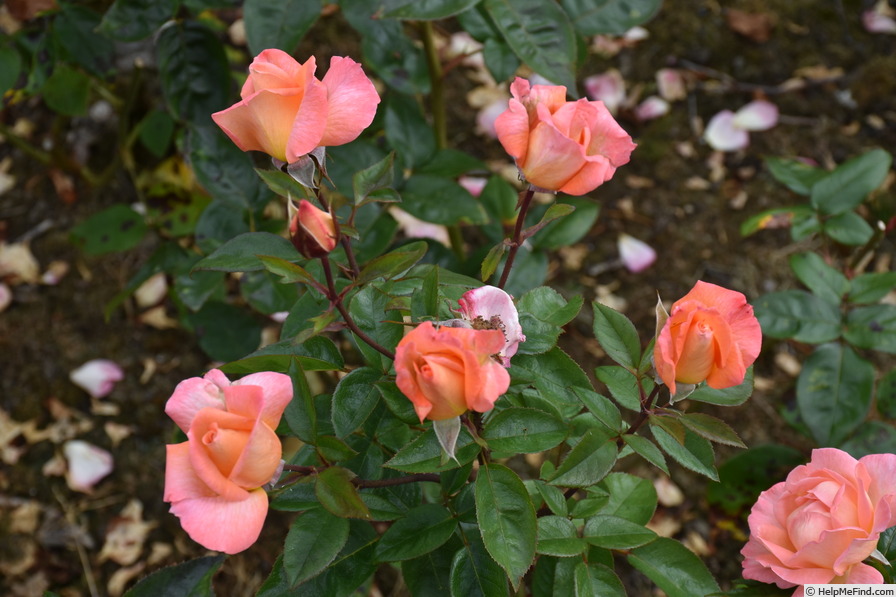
column 278, row 24
column 192, row 578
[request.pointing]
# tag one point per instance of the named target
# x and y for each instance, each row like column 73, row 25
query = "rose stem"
column 336, row 299
column 517, row 234
column 645, row 411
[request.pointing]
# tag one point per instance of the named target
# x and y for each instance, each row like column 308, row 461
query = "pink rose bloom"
column 571, row 147
column 447, row 371
column 214, row 479
column 712, row 335
column 490, row 308
column 821, row 523
column 287, row 112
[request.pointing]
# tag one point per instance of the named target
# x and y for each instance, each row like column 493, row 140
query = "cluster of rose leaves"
column 815, row 527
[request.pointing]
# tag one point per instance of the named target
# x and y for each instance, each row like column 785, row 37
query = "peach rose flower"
column 821, row 523
column 711, row 335
column 312, row 230
column 287, row 112
column 214, row 479
column 572, row 147
column 447, row 371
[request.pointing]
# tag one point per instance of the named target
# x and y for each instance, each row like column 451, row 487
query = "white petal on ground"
column 671, row 85
column 608, row 88
column 5, row 297
column 652, row 107
column 758, row 115
column 87, row 465
column 152, row 291
column 416, row 228
column 97, row 377
column 636, row 255
column 880, row 19
column 721, row 134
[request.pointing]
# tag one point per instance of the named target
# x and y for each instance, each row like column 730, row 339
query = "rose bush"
column 817, row 526
column 572, row 147
column 287, row 112
column 446, row 371
column 213, row 480
column 711, row 334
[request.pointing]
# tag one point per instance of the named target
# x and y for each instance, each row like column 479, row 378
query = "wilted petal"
column 652, row 107
column 758, row 115
column 722, row 135
column 608, row 88
column 87, row 464
column 670, row 84
column 5, row 296
column 880, row 18
column 416, row 228
column 636, row 255
column 489, row 307
column 97, row 377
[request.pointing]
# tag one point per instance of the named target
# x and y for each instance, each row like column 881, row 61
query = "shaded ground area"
column 675, row 195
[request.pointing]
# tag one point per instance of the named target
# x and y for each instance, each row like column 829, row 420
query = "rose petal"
column 87, row 464
column 97, row 376
column 758, row 115
column 352, row 101
column 211, row 522
column 608, row 87
column 652, row 107
column 722, row 135
column 636, row 255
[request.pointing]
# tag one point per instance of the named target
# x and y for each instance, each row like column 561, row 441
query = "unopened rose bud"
column 312, row 230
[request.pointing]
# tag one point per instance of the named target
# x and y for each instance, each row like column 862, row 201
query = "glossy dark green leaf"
column 695, row 453
column 506, row 519
column 617, row 336
column 614, row 532
column 611, row 17
column 630, row 497
column 587, row 463
column 602, row 408
column 799, row 315
column 623, row 386
column 195, row 289
column 647, row 450
column 500, row 59
column 554, row 374
column 425, row 10
column 871, row 287
column 371, row 184
column 280, row 24
column 499, row 199
column 474, row 573
column 67, row 91
column 351, row 568
column 872, row 437
column 848, row 228
column 241, row 253
column 823, row 280
column 393, row 56
column 225, row 332
column 354, row 399
column 733, row 396
column 421, row 531
column 713, row 429
column 315, row 354
column 778, row 217
column 314, row 540
column 797, row 175
column 75, row 29
column 407, row 131
column 492, row 260
column 394, row 263
column 557, row 536
column 424, row 454
column 192, row 578
column 886, row 395
column 194, row 72
column 834, row 392
column 338, row 495
column 568, row 231
column 543, row 312
column 872, row 327
column 455, row 204
column 132, row 20
column 847, row 186
column 115, row 229
column 674, row 568
column 429, row 575
column 541, row 35
column 265, row 293
column 746, row 474
column 524, row 431
column 596, row 579
column 226, row 172
column 10, row 67
column 369, row 309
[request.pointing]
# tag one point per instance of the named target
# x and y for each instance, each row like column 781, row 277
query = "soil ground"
column 674, row 195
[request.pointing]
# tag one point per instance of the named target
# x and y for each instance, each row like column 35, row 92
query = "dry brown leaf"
column 754, row 26
column 25, row 10
column 126, row 535
column 64, row 185
column 667, row 492
column 18, row 263
column 121, row 577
